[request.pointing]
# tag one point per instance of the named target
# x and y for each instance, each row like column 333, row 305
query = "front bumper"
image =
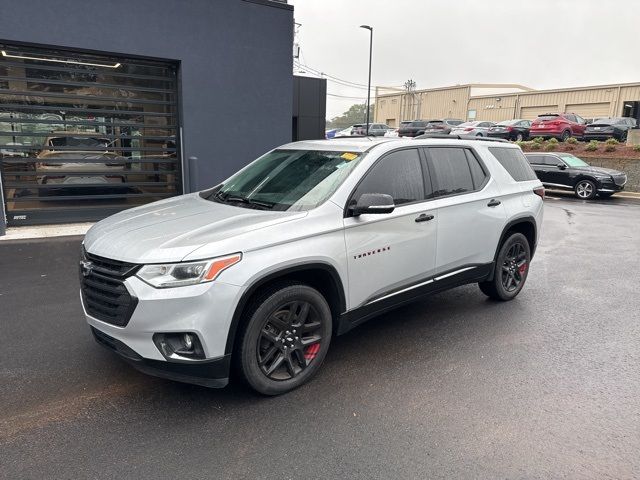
column 205, row 310
column 207, row 373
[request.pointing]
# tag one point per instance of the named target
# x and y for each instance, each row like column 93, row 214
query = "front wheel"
column 285, row 339
column 585, row 190
column 519, row 137
column 511, row 269
column 565, row 136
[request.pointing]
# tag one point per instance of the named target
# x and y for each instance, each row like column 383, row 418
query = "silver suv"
column 305, row 243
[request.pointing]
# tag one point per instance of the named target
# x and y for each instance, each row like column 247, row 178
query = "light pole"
column 369, row 84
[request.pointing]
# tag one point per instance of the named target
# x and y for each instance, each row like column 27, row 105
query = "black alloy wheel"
column 514, row 267
column 511, row 269
column 519, row 137
column 285, row 339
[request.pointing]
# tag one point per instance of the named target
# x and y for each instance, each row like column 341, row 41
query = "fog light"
column 179, row 346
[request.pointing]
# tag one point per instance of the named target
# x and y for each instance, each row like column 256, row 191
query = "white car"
column 477, row 129
column 307, row 242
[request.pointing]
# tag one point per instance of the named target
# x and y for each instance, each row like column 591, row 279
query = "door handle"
column 493, row 203
column 424, row 218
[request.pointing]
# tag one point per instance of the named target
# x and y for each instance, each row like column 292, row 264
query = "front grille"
column 103, row 291
column 620, row 179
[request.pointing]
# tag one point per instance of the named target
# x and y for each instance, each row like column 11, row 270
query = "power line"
column 346, row 83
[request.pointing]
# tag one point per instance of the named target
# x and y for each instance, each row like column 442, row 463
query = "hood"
column 607, row 171
column 168, row 230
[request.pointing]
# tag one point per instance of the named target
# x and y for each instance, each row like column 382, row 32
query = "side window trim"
column 474, row 153
column 350, row 198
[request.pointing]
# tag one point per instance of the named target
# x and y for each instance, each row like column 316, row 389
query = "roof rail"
column 460, row 137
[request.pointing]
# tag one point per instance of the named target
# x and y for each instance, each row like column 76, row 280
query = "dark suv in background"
column 442, row 126
column 568, row 172
column 604, row 128
column 412, row 129
column 558, row 125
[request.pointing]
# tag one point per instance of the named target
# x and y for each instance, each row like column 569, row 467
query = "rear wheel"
column 285, row 339
column 585, row 190
column 565, row 136
column 511, row 270
column 519, row 137
column 623, row 137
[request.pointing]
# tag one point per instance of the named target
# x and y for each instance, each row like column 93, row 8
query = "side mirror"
column 373, row 203
column 562, row 166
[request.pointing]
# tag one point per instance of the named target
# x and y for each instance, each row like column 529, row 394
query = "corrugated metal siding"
column 492, row 110
column 530, row 113
column 429, row 104
column 590, row 110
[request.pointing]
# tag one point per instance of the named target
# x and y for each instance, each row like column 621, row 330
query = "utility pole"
column 410, row 87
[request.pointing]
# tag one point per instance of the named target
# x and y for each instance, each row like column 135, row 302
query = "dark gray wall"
column 309, row 108
column 235, row 64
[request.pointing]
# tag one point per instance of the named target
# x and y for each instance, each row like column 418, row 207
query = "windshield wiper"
column 234, row 198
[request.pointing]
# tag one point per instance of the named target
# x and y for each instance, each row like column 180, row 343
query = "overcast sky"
column 538, row 43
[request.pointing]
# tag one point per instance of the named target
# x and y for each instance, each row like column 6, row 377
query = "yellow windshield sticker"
column 348, row 156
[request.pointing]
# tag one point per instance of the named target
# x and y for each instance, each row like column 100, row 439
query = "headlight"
column 188, row 273
column 604, row 178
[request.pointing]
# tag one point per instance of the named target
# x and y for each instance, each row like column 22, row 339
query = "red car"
column 558, row 125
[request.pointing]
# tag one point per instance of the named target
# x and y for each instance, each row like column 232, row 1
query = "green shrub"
column 609, row 148
column 553, row 141
column 611, row 141
column 572, row 141
column 551, row 146
column 535, row 146
column 592, row 146
column 538, row 140
column 636, row 148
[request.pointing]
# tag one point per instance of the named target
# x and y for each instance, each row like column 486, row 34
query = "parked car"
column 375, row 129
column 305, row 243
column 605, row 128
column 516, row 130
column 346, row 132
column 568, row 172
column 477, row 128
column 442, row 126
column 412, row 129
column 72, row 159
column 331, row 133
column 558, row 125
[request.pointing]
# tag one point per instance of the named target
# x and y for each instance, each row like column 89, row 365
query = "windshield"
column 572, row 160
column 293, row 180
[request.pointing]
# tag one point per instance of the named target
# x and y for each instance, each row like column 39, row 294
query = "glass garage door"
column 84, row 136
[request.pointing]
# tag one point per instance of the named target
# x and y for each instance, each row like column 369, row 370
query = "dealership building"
column 497, row 102
column 106, row 107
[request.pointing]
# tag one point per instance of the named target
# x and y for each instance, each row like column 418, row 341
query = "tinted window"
column 514, row 162
column 399, row 174
column 552, row 161
column 536, row 159
column 418, row 124
column 451, row 173
column 571, row 118
column 477, row 172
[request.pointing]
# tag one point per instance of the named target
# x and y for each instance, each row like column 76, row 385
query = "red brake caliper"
column 311, row 351
column 523, row 268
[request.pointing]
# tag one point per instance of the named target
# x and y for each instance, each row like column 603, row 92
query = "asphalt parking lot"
column 456, row 386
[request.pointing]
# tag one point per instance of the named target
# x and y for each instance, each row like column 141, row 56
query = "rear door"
column 470, row 216
column 389, row 252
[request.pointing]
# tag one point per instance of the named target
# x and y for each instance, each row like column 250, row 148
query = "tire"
column 565, row 135
column 511, row 269
column 585, row 190
column 519, row 137
column 479, row 135
column 273, row 356
column 623, row 137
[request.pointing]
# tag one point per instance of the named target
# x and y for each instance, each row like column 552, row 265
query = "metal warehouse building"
column 497, row 102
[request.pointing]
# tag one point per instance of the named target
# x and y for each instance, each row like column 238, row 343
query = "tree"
column 355, row 114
